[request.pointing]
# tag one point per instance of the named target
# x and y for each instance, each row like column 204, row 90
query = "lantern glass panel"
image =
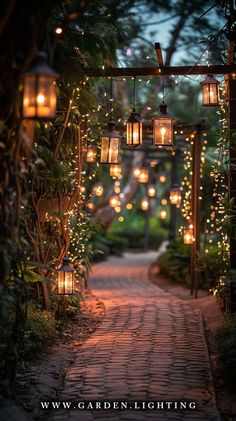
column 39, row 96
column 65, row 283
column 133, row 133
column 136, row 172
column 163, row 214
column 110, row 150
column 163, row 131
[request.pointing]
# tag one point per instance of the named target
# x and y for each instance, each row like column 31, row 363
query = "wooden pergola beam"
column 161, row 71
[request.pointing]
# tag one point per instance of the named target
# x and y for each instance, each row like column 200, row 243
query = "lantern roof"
column 66, row 267
column 40, row 67
column 134, row 117
column 163, row 112
column 111, row 132
column 209, row 79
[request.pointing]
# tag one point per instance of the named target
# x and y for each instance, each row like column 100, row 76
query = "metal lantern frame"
column 110, row 145
column 163, row 132
column 210, row 91
column 66, row 278
column 39, row 90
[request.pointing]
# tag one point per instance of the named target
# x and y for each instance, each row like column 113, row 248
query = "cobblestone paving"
column 150, row 346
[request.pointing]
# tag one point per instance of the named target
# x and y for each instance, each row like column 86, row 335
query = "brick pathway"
column 150, row 346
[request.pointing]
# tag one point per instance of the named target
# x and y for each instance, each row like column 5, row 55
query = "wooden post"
column 232, row 184
column 195, row 248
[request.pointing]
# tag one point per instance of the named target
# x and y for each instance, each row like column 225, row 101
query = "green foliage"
column 211, row 266
column 226, row 343
column 174, row 262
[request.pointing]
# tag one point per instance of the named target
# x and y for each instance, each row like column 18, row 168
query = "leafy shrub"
column 211, row 267
column 226, row 343
column 40, row 332
column 174, row 262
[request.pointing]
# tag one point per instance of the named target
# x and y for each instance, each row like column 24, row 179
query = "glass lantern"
column 65, row 278
column 175, row 196
column 151, row 190
column 114, row 201
column 134, row 130
column 136, row 172
column 115, row 170
column 163, row 128
column 143, row 176
column 188, row 235
column 39, row 90
column 91, row 155
column 210, row 92
column 163, row 214
column 145, row 204
column 110, row 145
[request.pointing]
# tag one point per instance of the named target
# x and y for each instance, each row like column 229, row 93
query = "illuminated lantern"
column 134, row 129
column 115, row 170
column 164, row 202
column 110, row 145
column 143, row 176
column 210, row 92
column 65, row 278
column 98, row 189
column 145, row 204
column 162, row 178
column 91, row 155
column 188, row 235
column 39, row 90
column 175, row 196
column 151, row 190
column 136, row 172
column 163, row 128
column 163, row 214
column 114, row 201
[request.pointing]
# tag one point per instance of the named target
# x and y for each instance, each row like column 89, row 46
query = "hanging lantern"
column 151, row 190
column 162, row 178
column 98, row 189
column 210, row 92
column 134, row 129
column 39, row 90
column 115, row 170
column 163, row 128
column 164, row 202
column 110, row 145
column 175, row 196
column 136, row 172
column 153, row 163
column 65, row 278
column 145, row 204
column 163, row 214
column 188, row 235
column 114, row 201
column 143, row 176
column 91, row 155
